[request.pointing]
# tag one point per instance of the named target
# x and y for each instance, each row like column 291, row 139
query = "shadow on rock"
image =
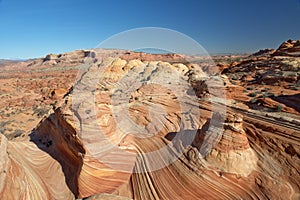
column 57, row 137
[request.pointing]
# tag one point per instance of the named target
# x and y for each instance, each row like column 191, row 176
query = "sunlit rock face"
column 28, row 173
column 289, row 48
column 232, row 152
column 132, row 129
column 123, row 116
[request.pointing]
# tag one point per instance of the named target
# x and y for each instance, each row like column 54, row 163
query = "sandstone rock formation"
column 262, row 79
column 289, row 48
column 129, row 125
column 264, row 52
column 27, row 173
column 232, row 152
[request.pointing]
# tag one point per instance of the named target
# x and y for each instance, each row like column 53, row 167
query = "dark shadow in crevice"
column 184, row 139
column 56, row 137
column 292, row 101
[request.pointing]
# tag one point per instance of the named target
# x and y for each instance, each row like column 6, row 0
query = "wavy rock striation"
column 127, row 129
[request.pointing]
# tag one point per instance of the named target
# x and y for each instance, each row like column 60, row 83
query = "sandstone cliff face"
column 150, row 129
column 27, row 173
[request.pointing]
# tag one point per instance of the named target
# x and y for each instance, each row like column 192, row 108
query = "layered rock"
column 148, row 130
column 231, row 152
column 27, row 173
column 95, row 142
column 288, row 48
column 264, row 52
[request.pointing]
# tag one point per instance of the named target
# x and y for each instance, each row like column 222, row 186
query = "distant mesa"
column 74, row 57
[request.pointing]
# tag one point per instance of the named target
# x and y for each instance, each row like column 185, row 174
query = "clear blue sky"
column 34, row 28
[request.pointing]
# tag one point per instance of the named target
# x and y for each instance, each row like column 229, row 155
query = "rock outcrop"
column 232, row 152
column 264, row 52
column 288, row 48
column 132, row 128
column 27, row 173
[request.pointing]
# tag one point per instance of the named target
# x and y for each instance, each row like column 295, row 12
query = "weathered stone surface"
column 288, row 48
column 138, row 126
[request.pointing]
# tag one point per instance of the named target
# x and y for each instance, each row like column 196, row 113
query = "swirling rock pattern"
column 27, row 173
column 132, row 129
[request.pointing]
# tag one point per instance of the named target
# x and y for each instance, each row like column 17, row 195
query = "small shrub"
column 252, row 94
column 40, row 111
column 2, row 124
column 279, row 108
column 250, row 88
column 265, row 90
column 270, row 94
column 54, row 103
column 235, row 78
column 295, row 88
column 263, row 96
column 18, row 133
column 254, row 100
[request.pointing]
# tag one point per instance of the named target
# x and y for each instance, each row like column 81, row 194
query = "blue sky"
column 34, row 28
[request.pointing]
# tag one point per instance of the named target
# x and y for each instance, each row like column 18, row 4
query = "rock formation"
column 129, row 125
column 288, row 48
